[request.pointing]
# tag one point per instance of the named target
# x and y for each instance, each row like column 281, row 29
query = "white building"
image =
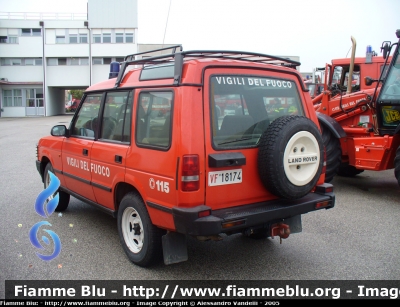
column 43, row 54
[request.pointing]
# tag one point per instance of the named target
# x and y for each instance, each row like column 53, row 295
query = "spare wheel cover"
column 301, row 158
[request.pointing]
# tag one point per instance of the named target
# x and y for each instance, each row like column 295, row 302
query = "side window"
column 117, row 115
column 153, row 119
column 86, row 121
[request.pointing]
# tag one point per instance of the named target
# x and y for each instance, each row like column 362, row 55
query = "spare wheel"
column 290, row 156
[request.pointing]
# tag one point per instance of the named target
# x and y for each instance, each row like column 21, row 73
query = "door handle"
column 118, row 159
column 85, row 152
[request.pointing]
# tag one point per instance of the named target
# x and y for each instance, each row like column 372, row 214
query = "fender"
column 332, row 125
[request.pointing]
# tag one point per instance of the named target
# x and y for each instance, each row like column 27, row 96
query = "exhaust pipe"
column 353, row 55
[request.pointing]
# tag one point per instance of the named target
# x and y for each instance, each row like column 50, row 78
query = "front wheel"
column 63, row 199
column 397, row 165
column 140, row 239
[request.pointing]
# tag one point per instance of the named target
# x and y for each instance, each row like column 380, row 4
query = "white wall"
column 108, row 50
column 68, row 76
column 13, row 112
column 67, row 50
column 22, row 73
column 102, row 14
column 57, row 98
column 28, row 46
column 100, row 73
column 113, row 14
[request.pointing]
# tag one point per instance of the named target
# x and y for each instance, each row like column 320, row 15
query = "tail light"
column 190, row 173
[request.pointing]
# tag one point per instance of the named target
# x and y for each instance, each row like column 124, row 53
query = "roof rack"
column 177, row 57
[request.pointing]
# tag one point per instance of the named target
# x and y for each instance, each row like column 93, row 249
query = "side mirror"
column 385, row 50
column 368, row 81
column 59, row 130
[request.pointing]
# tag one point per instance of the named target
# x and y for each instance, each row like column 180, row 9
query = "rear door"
column 258, row 97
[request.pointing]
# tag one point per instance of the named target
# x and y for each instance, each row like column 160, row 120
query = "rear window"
column 243, row 106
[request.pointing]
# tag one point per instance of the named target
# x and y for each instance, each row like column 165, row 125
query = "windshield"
column 389, row 97
column 243, row 106
column 391, row 88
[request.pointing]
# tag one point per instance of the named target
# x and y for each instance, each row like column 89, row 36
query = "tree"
column 77, row 94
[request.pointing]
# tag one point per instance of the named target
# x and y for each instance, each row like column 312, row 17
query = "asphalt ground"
column 357, row 240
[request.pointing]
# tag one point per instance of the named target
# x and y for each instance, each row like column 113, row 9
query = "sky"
column 315, row 30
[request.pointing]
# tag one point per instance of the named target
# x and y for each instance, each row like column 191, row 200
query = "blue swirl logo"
column 46, row 203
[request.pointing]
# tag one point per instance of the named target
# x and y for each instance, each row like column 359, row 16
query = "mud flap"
column 174, row 247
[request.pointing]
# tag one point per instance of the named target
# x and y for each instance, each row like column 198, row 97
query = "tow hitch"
column 281, row 230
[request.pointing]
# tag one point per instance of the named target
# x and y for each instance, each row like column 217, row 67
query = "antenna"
column 166, row 24
column 348, row 51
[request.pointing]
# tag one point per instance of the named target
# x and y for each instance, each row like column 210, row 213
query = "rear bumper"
column 187, row 220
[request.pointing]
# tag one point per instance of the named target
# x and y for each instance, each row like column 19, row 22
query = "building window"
column 83, row 38
column 106, row 37
column 84, row 61
column 12, row 40
column 17, row 98
column 36, row 32
column 68, row 62
column 7, row 98
column 32, row 61
column 119, row 59
column 5, row 62
column 97, row 61
column 128, row 37
column 52, row 61
column 16, row 62
column 26, row 32
column 73, row 39
column 74, row 61
column 101, row 61
column 119, row 37
column 19, row 62
column 62, row 61
column 60, row 39
column 96, row 38
column 31, row 32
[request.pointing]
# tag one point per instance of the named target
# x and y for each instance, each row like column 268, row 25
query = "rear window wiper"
column 236, row 140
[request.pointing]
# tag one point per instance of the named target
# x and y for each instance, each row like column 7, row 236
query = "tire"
column 281, row 165
column 397, row 165
column 63, row 197
column 333, row 153
column 140, row 239
column 346, row 170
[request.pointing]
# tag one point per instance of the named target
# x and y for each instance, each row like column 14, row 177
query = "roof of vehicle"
column 360, row 60
column 174, row 66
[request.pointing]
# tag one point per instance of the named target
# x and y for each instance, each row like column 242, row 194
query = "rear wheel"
column 290, row 156
column 140, row 239
column 333, row 153
column 64, row 197
column 397, row 165
column 346, row 170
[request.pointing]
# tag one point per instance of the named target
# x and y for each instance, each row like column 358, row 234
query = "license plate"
column 224, row 177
